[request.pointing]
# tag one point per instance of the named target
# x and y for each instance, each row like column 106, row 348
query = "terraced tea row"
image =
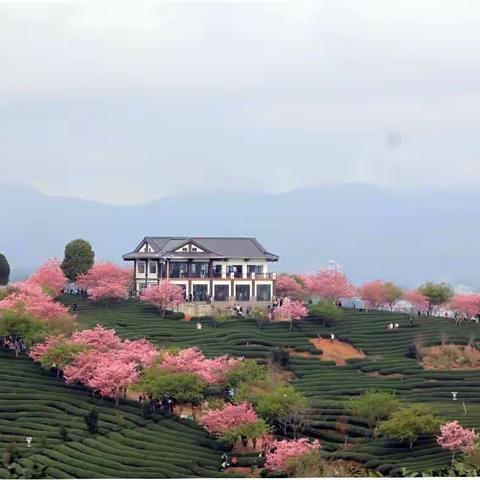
column 35, row 404
column 387, row 367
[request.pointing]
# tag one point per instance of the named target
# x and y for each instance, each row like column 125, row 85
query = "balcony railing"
column 227, row 276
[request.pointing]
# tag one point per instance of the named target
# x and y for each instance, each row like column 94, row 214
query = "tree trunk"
column 453, row 457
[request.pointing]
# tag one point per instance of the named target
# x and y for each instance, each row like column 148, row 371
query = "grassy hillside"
column 35, row 404
column 327, row 385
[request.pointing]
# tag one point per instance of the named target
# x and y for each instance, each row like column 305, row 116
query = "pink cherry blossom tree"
column 164, row 295
column 100, row 339
column 373, row 294
column 455, row 438
column 290, row 311
column 280, row 452
column 192, row 360
column 417, row 299
column 112, row 375
column 465, row 306
column 50, row 277
column 219, row 421
column 141, row 352
column 30, row 298
column 330, row 285
column 287, row 286
column 105, row 281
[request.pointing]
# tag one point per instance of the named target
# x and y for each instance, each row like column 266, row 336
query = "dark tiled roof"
column 214, row 247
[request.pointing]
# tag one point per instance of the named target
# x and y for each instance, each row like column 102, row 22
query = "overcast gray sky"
column 125, row 102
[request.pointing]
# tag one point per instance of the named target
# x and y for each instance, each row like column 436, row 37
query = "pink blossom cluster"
column 50, row 277
column 286, row 286
column 373, row 293
column 109, row 365
column 281, row 451
column 221, row 420
column 192, row 360
column 467, row 306
column 106, row 280
column 164, row 295
column 330, row 285
column 30, row 297
column 40, row 349
column 455, row 438
column 290, row 310
column 417, row 299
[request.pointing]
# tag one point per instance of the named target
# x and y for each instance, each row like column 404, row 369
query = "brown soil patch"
column 244, row 471
column 336, row 351
column 450, row 357
column 296, row 353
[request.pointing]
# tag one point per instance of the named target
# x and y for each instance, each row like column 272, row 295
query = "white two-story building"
column 219, row 269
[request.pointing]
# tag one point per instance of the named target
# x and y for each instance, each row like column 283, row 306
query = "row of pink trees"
column 100, row 360
column 377, row 294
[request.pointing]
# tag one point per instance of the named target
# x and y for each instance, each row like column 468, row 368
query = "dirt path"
column 338, row 352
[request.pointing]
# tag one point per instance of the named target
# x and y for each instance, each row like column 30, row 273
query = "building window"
column 178, row 270
column 221, row 293
column 217, row 271
column 152, row 268
column 200, row 293
column 185, row 249
column 242, row 293
column 235, row 269
column 194, row 249
column 199, row 270
column 264, row 293
column 141, row 268
column 255, row 269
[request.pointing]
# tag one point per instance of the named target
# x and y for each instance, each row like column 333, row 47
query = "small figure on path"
column 390, row 326
column 199, row 326
column 397, row 326
column 332, row 337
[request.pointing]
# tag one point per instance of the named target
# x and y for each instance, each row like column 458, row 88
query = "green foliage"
column 374, row 405
column 21, row 325
column 247, row 371
column 311, row 464
column 91, row 421
column 184, row 387
column 4, row 270
column 61, row 355
column 392, row 293
column 79, row 258
column 285, row 407
column 409, row 423
column 326, row 310
column 249, row 430
column 63, row 432
column 437, row 293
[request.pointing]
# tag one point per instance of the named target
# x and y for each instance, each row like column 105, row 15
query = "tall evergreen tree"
column 79, row 258
column 4, row 270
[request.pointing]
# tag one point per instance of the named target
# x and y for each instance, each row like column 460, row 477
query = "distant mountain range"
column 407, row 237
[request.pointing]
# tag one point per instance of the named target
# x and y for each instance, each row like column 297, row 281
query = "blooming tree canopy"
column 330, row 285
column 455, row 438
column 221, row 420
column 417, row 299
column 50, row 277
column 373, row 293
column 290, row 310
column 467, row 306
column 281, row 451
column 106, row 281
column 30, row 298
column 286, row 286
column 164, row 295
column 99, row 339
column 192, row 360
column 112, row 375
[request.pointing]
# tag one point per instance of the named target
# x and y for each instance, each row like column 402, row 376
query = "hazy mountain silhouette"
column 407, row 237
